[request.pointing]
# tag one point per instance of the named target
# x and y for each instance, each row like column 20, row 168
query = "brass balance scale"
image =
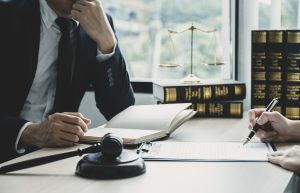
column 192, row 78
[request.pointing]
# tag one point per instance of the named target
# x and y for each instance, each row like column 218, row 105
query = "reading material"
column 211, row 151
column 142, row 123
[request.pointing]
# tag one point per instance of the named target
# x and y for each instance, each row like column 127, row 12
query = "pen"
column 269, row 108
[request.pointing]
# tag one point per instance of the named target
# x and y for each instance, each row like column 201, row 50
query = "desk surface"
column 233, row 177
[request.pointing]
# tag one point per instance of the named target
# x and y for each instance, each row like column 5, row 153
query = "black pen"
column 269, row 108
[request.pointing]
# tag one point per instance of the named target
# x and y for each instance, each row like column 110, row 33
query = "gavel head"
column 111, row 146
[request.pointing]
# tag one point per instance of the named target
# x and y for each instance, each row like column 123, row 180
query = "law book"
column 276, row 70
column 276, row 53
column 292, row 87
column 171, row 91
column 259, row 69
column 219, row 109
column 143, row 123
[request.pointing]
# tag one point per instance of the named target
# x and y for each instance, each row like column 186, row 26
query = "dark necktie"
column 65, row 61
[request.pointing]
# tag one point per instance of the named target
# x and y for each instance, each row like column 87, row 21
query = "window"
column 142, row 28
column 261, row 14
column 277, row 14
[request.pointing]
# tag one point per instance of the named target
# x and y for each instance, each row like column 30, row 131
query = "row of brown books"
column 210, row 98
column 276, row 70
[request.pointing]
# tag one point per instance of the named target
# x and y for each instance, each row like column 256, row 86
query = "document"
column 208, row 151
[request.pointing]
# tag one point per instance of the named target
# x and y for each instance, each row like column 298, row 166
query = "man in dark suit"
column 51, row 51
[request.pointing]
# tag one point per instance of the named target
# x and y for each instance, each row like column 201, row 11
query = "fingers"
column 86, row 120
column 275, row 159
column 78, row 7
column 69, row 119
column 268, row 117
column 68, row 137
column 277, row 153
column 253, row 114
column 266, row 136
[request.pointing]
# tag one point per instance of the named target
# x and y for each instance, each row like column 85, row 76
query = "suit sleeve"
column 113, row 91
column 10, row 124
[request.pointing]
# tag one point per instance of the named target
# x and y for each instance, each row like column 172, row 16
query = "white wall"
column 248, row 20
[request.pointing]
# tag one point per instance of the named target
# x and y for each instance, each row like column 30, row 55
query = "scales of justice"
column 192, row 78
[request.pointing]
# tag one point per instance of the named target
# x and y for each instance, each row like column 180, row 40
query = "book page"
column 152, row 117
column 211, row 151
column 129, row 136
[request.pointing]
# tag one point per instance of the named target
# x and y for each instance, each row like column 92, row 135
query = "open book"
column 142, row 123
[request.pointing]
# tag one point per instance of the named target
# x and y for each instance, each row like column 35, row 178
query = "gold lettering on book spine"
column 207, row 92
column 221, row 91
column 171, row 95
column 293, row 37
column 276, row 36
column 238, row 90
column 275, row 76
column 235, row 110
column 258, row 106
column 216, row 109
column 259, row 75
column 292, row 112
column 188, row 94
column 259, row 37
column 201, row 108
column 293, row 77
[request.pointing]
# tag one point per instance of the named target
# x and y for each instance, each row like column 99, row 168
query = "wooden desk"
column 173, row 177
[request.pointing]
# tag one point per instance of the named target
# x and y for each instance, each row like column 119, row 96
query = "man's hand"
column 59, row 129
column 276, row 126
column 289, row 159
column 92, row 17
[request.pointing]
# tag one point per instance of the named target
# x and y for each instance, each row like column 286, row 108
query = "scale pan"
column 170, row 65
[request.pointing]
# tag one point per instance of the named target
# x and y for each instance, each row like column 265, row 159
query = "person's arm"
column 109, row 78
column 59, row 129
column 278, row 128
column 288, row 159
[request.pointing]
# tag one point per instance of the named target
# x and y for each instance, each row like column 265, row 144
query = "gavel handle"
column 36, row 162
column 47, row 159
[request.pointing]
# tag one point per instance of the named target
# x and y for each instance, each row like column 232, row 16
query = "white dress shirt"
column 40, row 99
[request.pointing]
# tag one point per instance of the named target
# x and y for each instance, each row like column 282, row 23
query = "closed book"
column 222, row 109
column 171, row 91
column 259, row 69
column 276, row 67
column 143, row 123
column 292, row 87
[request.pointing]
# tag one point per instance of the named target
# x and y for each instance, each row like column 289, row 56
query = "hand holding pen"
column 258, row 123
column 280, row 129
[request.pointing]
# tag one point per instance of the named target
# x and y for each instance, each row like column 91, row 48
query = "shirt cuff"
column 103, row 57
column 21, row 149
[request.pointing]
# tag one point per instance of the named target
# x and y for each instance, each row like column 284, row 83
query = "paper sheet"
column 211, row 151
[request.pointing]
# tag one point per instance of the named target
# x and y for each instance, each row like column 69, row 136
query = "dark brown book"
column 276, row 67
column 259, row 84
column 223, row 109
column 292, row 87
column 171, row 91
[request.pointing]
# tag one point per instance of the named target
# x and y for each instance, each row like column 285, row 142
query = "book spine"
column 201, row 93
column 224, row 109
column 292, row 87
column 259, row 69
column 276, row 64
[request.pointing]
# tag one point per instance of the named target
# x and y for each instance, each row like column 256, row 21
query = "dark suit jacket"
column 19, row 47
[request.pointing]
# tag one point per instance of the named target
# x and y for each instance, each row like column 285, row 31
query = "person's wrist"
column 27, row 138
column 293, row 130
column 106, row 45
